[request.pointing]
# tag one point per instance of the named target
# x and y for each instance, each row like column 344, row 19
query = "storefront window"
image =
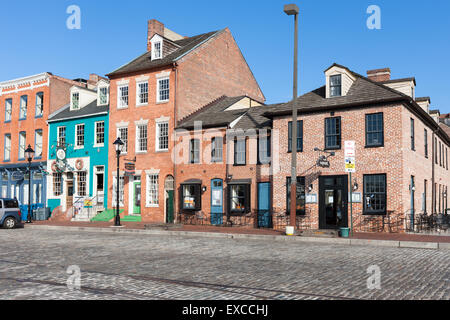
column 191, row 197
column 301, row 196
column 240, row 198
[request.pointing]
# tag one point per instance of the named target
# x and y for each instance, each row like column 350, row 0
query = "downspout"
column 433, row 170
column 175, row 193
column 227, row 174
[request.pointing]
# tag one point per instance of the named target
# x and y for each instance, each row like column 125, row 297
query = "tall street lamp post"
column 293, row 10
column 118, row 144
column 29, row 154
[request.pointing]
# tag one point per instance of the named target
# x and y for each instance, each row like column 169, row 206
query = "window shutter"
column 290, row 137
column 180, row 192
column 247, row 198
column 198, row 197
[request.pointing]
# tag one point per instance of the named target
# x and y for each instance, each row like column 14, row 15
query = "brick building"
column 224, row 164
column 26, row 104
column 149, row 95
column 401, row 153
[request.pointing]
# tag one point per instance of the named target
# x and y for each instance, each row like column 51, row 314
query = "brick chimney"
column 379, row 75
column 154, row 26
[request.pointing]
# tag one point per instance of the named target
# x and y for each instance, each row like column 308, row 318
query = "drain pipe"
column 175, row 191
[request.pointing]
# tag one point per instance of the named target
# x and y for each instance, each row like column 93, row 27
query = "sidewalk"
column 367, row 239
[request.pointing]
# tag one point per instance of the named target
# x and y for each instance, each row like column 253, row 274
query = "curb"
column 333, row 241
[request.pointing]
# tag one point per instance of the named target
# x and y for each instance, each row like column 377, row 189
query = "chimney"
column 379, row 75
column 154, row 26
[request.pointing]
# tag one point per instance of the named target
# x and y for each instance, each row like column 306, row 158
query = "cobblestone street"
column 34, row 265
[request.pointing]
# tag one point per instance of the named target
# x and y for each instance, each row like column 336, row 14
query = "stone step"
column 320, row 233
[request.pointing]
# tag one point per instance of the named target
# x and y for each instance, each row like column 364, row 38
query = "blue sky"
column 413, row 41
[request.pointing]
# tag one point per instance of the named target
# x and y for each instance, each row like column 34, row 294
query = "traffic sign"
column 350, row 165
column 350, row 149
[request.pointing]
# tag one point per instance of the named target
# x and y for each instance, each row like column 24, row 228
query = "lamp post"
column 29, row 154
column 118, row 144
column 293, row 10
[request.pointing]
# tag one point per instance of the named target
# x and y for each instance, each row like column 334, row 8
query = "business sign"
column 323, row 162
column 130, row 169
column 350, row 165
column 350, row 149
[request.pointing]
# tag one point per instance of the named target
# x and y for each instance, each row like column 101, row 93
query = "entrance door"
column 69, row 198
column 264, row 216
column 100, row 185
column 333, row 208
column 169, row 207
column 217, row 202
column 136, row 197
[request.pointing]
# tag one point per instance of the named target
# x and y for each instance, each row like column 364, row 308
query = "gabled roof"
column 214, row 115
column 88, row 111
column 145, row 62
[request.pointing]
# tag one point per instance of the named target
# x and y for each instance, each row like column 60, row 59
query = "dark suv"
column 10, row 215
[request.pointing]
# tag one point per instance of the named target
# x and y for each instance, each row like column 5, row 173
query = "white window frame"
column 82, row 183
column 119, row 95
column 58, row 136
column 72, row 105
column 158, row 94
column 156, row 56
column 99, row 95
column 138, row 149
column 22, row 147
column 152, row 192
column 8, row 107
column 96, row 144
column 77, row 147
column 119, row 135
column 138, row 93
column 158, row 136
column 23, row 108
column 7, row 147
column 38, row 145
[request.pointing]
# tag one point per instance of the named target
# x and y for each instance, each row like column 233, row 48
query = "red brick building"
column 401, row 153
column 224, row 172
column 26, row 105
column 149, row 95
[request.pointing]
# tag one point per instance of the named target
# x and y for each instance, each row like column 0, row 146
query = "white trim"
column 163, row 74
column 147, row 189
column 117, row 136
column 98, row 95
column 155, row 40
column 123, row 82
column 141, row 122
column 120, row 86
column 158, row 89
column 142, row 79
column 100, row 145
column 152, row 171
column 28, row 82
column 157, row 136
column 122, row 124
column 138, row 103
column 76, row 147
column 162, row 119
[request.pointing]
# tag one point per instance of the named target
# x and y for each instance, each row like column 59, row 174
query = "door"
column 100, row 177
column 169, row 207
column 69, row 198
column 264, row 216
column 333, row 207
column 137, row 197
column 217, row 202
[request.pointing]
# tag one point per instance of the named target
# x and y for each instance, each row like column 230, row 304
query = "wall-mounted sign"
column 323, row 162
column 350, row 149
column 311, row 198
column 61, row 154
column 350, row 165
column 356, row 197
column 130, row 169
column 17, row 175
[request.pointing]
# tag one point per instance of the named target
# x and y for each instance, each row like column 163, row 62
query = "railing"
column 303, row 222
column 424, row 223
column 202, row 219
column 76, row 210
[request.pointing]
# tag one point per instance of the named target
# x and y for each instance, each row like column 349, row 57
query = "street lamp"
column 29, row 154
column 293, row 10
column 118, row 144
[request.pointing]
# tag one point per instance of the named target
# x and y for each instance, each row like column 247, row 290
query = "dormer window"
column 157, row 50
column 336, row 86
column 75, row 100
column 103, row 96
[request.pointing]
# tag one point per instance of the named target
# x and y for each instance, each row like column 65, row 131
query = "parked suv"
column 10, row 215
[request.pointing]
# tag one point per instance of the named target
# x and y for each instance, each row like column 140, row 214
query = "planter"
column 290, row 231
column 345, row 232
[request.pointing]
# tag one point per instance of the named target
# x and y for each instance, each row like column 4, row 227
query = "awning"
column 192, row 181
column 240, row 181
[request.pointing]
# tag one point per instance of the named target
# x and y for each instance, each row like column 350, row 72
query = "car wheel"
column 9, row 223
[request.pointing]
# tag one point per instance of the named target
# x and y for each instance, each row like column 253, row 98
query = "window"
column 425, row 187
column 23, row 107
column 301, row 196
column 122, row 133
column 435, row 151
column 375, row 194
column 446, row 157
column 79, row 129
column 426, row 143
column 75, row 100
column 7, row 151
column 374, row 130
column 191, row 197
column 264, row 149
column 162, row 136
column 103, row 96
column 335, row 86
column 163, row 90
column 38, row 143
column 333, row 133
column 39, row 104
column 22, row 147
column 299, row 136
column 152, row 190
column 240, row 198
column 194, row 151
column 121, row 191
column 142, row 94
column 413, row 145
column 141, row 138
column 157, row 50
column 81, row 184
column 240, row 145
column 440, row 154
column 61, row 136
column 217, row 149
column 100, row 133
column 57, row 184
column 8, row 110
column 123, row 97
